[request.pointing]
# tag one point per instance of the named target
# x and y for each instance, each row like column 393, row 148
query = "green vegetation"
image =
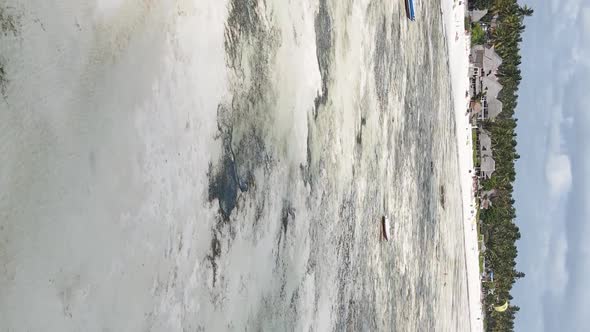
column 498, row 226
column 476, row 160
column 481, row 4
column 481, row 257
column 477, row 35
column 480, row 239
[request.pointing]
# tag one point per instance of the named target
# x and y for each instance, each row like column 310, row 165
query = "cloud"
column 554, row 213
column 566, row 308
column 560, row 7
column 577, row 220
column 559, row 174
column 581, row 50
column 555, row 281
column 585, row 21
column 566, row 11
column 558, row 274
column 571, row 56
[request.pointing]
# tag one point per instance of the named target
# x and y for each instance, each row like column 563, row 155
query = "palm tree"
column 526, row 11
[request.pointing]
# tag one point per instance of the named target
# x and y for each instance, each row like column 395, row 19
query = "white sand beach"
column 458, row 48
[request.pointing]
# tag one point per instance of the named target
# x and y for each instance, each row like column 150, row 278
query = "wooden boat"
column 386, row 228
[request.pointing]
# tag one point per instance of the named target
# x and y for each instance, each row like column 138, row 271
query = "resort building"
column 476, row 15
column 487, row 164
column 483, row 81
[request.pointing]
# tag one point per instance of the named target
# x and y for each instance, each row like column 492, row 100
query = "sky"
column 551, row 188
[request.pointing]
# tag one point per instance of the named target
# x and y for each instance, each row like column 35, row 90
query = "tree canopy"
column 497, row 222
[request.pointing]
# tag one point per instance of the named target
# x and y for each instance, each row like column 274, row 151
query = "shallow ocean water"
column 214, row 165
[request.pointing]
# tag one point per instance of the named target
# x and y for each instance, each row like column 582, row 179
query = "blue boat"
column 410, row 10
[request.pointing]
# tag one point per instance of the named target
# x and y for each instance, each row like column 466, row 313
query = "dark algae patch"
column 324, row 50
column 287, row 216
column 383, row 64
column 9, row 24
column 249, row 43
column 243, row 122
column 3, row 79
column 223, row 186
column 213, row 256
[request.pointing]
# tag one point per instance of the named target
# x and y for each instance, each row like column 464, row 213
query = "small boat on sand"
column 386, row 228
column 410, row 10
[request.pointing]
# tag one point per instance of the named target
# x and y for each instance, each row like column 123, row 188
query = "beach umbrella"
column 501, row 308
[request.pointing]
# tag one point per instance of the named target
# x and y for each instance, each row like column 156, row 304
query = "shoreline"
column 458, row 48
